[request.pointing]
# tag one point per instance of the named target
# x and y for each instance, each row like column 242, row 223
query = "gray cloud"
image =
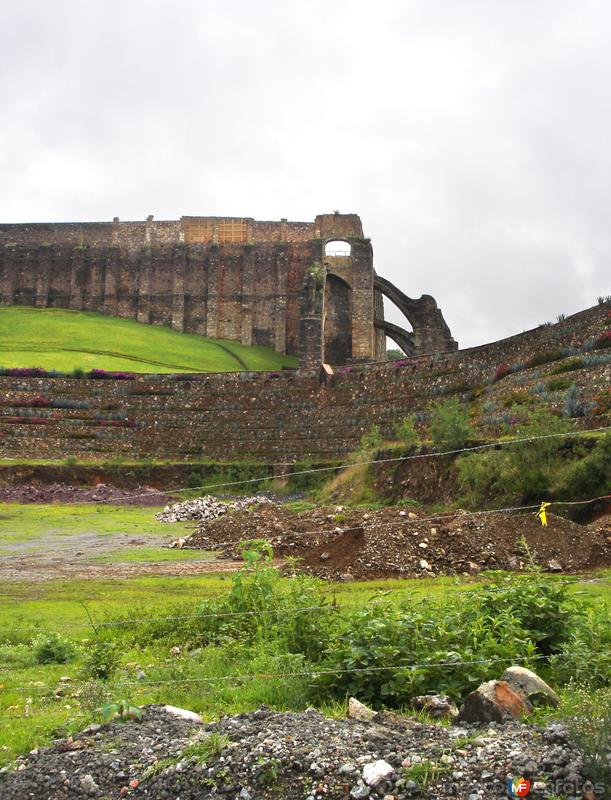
column 472, row 137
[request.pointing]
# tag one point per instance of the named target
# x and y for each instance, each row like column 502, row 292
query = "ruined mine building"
column 303, row 288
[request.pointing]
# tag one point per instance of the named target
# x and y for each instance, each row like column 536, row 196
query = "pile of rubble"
column 267, row 755
column 343, row 544
column 206, row 508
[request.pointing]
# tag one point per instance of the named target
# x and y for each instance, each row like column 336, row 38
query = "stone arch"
column 338, row 248
column 337, row 320
column 430, row 331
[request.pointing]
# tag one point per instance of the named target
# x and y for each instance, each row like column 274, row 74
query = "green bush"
column 450, row 428
column 406, row 432
column 568, row 366
column 102, row 659
column 588, row 475
column 51, row 648
column 385, row 655
column 544, row 358
column 541, row 606
column 372, row 440
column 585, row 654
column 263, row 607
column 523, row 472
column 558, row 384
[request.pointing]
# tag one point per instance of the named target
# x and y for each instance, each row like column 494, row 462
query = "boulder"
column 493, row 701
column 436, row 705
column 358, row 710
column 530, row 684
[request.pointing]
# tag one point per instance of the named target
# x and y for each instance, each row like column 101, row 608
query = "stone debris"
column 435, row 705
column 270, row 755
column 206, row 509
column 340, row 544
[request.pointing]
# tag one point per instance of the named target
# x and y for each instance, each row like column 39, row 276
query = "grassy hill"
column 65, row 340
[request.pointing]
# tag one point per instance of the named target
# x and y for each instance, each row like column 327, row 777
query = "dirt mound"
column 101, row 493
column 266, row 755
column 354, row 543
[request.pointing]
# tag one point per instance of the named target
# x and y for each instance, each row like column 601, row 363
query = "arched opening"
column 337, row 321
column 338, row 249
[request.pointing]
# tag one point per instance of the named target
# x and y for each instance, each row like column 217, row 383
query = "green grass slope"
column 64, row 340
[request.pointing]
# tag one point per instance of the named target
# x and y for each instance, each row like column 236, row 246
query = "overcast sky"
column 472, row 136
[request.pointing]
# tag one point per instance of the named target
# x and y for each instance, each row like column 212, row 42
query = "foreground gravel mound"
column 342, row 543
column 295, row 756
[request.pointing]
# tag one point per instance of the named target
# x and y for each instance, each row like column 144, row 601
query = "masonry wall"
column 268, row 417
column 222, row 277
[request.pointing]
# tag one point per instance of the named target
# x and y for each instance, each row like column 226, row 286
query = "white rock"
column 358, row 710
column 182, row 713
column 376, row 772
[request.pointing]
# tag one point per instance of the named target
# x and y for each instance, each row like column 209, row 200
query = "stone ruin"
column 304, row 288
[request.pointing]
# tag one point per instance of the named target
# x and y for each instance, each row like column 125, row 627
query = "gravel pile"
column 296, row 756
column 340, row 544
column 206, row 508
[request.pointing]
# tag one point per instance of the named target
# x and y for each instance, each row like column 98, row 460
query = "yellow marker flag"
column 542, row 514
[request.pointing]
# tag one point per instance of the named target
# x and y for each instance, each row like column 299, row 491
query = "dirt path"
column 35, row 569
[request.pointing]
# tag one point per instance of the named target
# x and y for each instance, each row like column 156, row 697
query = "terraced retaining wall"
column 272, row 417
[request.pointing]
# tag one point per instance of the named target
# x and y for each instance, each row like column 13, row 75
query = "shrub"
column 542, row 607
column 568, row 366
column 588, row 475
column 261, row 609
column 543, row 358
column 523, row 472
column 589, row 727
column 558, row 384
column 372, row 440
column 385, row 655
column 450, row 426
column 102, row 659
column 517, row 398
column 51, row 648
column 585, row 655
column 406, row 431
